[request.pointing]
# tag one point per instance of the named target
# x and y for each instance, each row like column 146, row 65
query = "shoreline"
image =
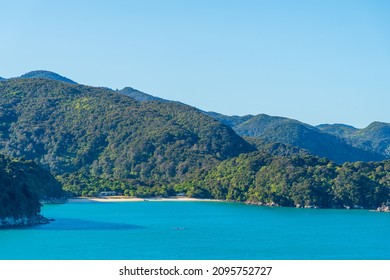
column 83, row 199
column 135, row 199
column 23, row 221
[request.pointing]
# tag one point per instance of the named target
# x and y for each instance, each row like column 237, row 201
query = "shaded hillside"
column 295, row 181
column 139, row 95
column 231, row 121
column 375, row 137
column 95, row 138
column 22, row 185
column 339, row 130
column 275, row 149
column 338, row 142
column 42, row 74
column 2, row 79
column 271, row 129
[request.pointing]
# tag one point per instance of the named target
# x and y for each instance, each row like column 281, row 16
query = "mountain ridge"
column 374, row 137
column 139, row 95
column 92, row 137
column 323, row 140
column 349, row 143
column 44, row 74
column 293, row 132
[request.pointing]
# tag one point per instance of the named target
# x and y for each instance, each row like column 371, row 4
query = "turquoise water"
column 198, row 230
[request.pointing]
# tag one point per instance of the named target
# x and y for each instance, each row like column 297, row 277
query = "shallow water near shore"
column 198, row 230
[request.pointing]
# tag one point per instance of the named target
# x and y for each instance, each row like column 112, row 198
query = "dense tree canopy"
column 375, row 137
column 86, row 136
column 289, row 179
column 325, row 141
column 43, row 74
column 22, row 185
column 96, row 139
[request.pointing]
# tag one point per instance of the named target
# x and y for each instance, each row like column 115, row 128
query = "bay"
column 169, row 230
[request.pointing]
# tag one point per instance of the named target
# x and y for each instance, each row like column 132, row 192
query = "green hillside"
column 42, row 74
column 22, row 185
column 295, row 181
column 338, row 142
column 271, row 129
column 231, row 121
column 139, row 95
column 95, row 139
column 339, row 130
column 375, row 137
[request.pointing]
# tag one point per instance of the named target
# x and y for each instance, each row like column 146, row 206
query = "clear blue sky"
column 315, row 61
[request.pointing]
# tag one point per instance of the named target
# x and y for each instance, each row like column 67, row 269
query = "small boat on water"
column 178, row 228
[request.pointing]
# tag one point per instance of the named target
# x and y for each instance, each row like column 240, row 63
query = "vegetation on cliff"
column 22, row 184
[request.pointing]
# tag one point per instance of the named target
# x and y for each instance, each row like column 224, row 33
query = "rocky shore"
column 272, row 204
column 383, row 208
column 23, row 221
column 59, row 200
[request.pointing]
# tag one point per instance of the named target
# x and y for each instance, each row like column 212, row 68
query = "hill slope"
column 231, row 121
column 22, row 185
column 42, row 74
column 139, row 95
column 294, row 180
column 339, row 130
column 96, row 139
column 375, row 137
column 338, row 142
column 288, row 131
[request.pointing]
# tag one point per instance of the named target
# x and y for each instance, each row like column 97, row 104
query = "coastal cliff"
column 22, row 185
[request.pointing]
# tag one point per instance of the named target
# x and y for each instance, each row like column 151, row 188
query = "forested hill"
column 375, row 137
column 95, row 139
column 288, row 178
column 317, row 140
column 338, row 129
column 139, row 95
column 22, row 185
column 231, row 121
column 42, row 74
column 341, row 143
column 338, row 142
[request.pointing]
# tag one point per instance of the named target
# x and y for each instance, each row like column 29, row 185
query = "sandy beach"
column 133, row 199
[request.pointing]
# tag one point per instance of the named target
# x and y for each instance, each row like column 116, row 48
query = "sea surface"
column 168, row 230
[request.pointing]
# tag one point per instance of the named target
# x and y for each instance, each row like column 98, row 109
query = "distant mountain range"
column 375, row 137
column 314, row 139
column 93, row 136
column 338, row 142
column 95, row 139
